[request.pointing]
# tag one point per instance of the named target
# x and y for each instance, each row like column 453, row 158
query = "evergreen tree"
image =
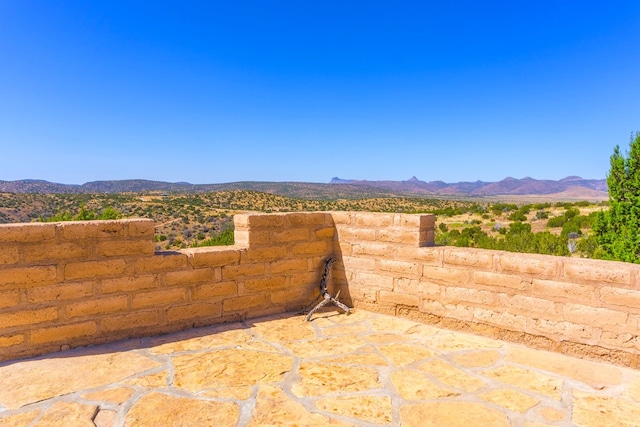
column 617, row 231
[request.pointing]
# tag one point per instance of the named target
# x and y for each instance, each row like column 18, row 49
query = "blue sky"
column 221, row 91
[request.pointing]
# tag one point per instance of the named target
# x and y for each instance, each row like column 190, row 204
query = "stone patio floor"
column 365, row 369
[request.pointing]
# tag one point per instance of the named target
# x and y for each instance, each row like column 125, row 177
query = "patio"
column 365, row 369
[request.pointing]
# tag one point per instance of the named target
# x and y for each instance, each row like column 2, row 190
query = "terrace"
column 119, row 335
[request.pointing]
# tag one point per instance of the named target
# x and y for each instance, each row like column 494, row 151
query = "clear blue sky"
column 277, row 90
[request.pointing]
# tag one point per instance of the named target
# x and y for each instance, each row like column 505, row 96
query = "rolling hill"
column 572, row 187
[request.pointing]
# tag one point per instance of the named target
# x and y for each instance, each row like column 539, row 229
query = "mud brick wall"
column 71, row 284
column 588, row 308
column 78, row 283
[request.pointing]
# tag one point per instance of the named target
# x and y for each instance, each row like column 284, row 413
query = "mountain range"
column 572, row 187
column 508, row 186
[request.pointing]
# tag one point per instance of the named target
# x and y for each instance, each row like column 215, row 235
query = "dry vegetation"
column 184, row 220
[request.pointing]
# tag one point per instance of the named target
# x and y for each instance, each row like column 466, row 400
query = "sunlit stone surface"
column 360, row 370
column 40, row 379
column 156, row 409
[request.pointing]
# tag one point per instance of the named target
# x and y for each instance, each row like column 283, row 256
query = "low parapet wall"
column 582, row 307
column 71, row 284
column 77, row 283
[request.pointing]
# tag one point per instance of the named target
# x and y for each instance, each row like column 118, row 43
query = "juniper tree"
column 617, row 231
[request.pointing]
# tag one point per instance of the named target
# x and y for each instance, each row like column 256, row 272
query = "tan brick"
column 9, row 298
column 264, row 284
column 60, row 292
column 374, row 280
column 561, row 329
column 618, row 296
column 189, row 276
column 215, row 291
column 296, row 295
column 27, row 276
column 342, row 217
column 594, row 316
column 360, row 294
column 529, row 305
column 161, row 261
column 257, row 237
column 386, row 297
column 97, row 306
column 62, row 333
column 505, row 320
column 469, row 257
column 325, row 233
column 214, row 256
column 109, row 229
column 402, row 268
column 600, row 271
column 241, row 238
column 311, row 248
column 308, row 218
column 364, row 219
column 373, row 248
column 241, row 221
column 28, row 317
column 66, row 250
column 157, row 297
column 511, row 281
column 452, row 311
column 130, row 321
column 265, row 253
column 342, row 248
column 619, row 340
column 35, row 232
column 411, row 237
column 243, row 303
column 426, row 255
column 358, row 263
column 423, row 221
column 129, row 283
column 351, row 234
column 8, row 255
column 89, row 269
column 288, row 265
column 11, row 340
column 125, row 247
column 572, row 291
column 194, row 311
column 266, row 220
column 417, row 287
column 306, row 278
column 243, row 270
column 140, row 227
column 76, row 230
column 456, row 295
column 445, row 274
column 544, row 265
column 290, row 235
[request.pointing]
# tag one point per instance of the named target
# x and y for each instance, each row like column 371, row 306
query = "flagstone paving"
column 364, row 369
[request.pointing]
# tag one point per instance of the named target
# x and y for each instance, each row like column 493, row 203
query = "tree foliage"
column 617, row 231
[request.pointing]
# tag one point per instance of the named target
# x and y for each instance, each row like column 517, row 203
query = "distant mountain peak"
column 336, row 180
column 413, row 179
column 571, row 178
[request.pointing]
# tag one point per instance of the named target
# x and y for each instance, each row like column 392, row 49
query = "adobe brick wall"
column 71, row 284
column 78, row 283
column 588, row 308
